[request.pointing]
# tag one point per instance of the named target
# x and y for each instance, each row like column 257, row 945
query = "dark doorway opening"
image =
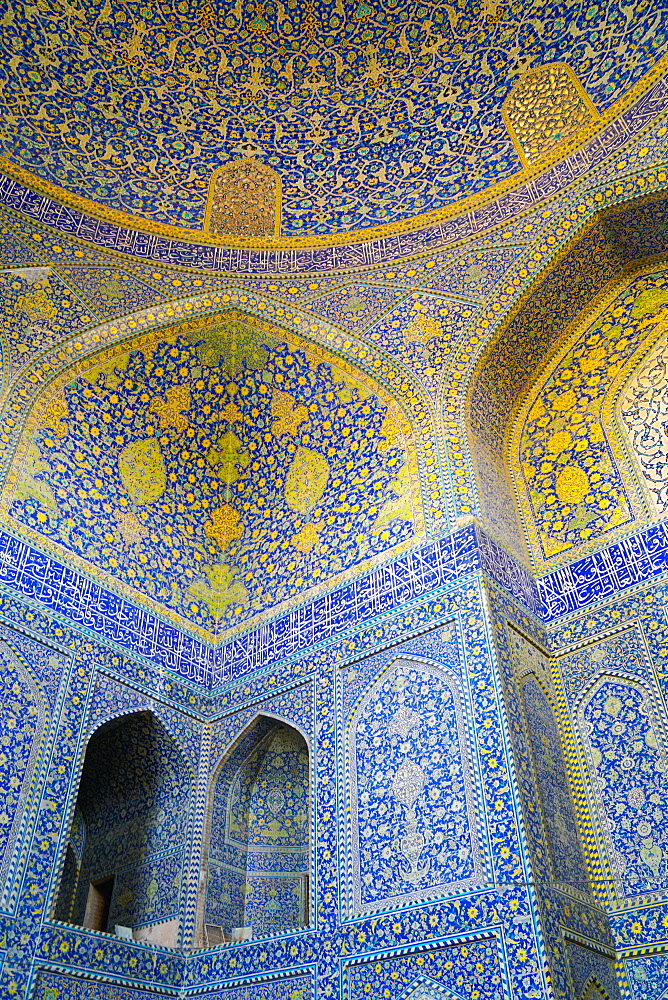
column 98, row 904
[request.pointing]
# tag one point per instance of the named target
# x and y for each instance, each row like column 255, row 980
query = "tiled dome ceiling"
column 370, row 112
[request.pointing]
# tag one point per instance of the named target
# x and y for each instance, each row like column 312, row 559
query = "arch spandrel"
column 187, row 394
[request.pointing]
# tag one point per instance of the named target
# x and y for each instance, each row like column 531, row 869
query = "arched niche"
column 258, row 850
column 244, row 200
column 22, row 721
column 130, row 832
column 525, row 347
column 411, row 815
column 626, row 754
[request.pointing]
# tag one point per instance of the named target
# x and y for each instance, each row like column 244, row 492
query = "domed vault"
column 368, row 113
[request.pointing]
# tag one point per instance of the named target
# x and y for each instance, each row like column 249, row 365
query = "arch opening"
column 552, row 461
column 134, row 798
column 257, row 862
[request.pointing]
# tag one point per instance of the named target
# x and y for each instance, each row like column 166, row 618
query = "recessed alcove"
column 257, row 857
column 129, row 837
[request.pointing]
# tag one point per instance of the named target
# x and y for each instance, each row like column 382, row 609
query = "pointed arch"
column 626, row 755
column 257, row 856
column 395, row 784
column 563, row 300
column 134, row 801
column 593, row 990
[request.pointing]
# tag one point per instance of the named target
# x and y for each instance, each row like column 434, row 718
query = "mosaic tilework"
column 38, row 310
column 421, row 332
column 258, row 846
column 546, row 108
column 624, row 747
column 642, row 413
column 471, row 969
column 47, row 663
column 356, row 306
column 410, row 837
column 70, row 221
column 602, row 574
column 351, row 107
column 510, row 361
column 647, row 976
column 114, row 697
column 109, row 290
column 355, row 628
column 610, row 687
column 419, row 572
column 590, row 967
column 571, row 487
column 215, row 458
column 50, row 986
column 395, row 929
column 134, row 799
column 274, row 903
column 14, row 252
column 557, row 807
column 22, row 721
column 578, row 670
column 474, row 274
column 51, row 585
column 525, row 339
column 620, row 566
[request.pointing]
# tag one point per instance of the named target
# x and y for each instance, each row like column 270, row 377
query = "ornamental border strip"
column 414, row 575
column 16, row 197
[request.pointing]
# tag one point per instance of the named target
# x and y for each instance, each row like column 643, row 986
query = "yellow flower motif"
column 288, row 415
column 225, row 525
column 36, row 305
column 572, row 484
column 171, row 409
column 306, row 538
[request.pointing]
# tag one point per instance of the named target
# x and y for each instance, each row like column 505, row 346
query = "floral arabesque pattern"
column 629, row 772
column 410, row 801
column 570, row 477
column 643, row 410
column 22, row 719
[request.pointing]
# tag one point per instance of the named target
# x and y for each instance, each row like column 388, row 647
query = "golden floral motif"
column 547, row 109
column 306, row 539
column 244, row 200
column 225, row 525
column 289, row 414
column 172, row 409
